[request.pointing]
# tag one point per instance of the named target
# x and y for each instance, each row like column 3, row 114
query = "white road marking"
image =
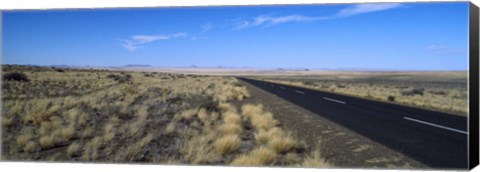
column 282, row 88
column 333, row 100
column 301, row 92
column 435, row 125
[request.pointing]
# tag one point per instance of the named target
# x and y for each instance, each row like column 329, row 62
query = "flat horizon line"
column 306, row 69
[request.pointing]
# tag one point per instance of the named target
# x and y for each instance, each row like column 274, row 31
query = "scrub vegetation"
column 92, row 115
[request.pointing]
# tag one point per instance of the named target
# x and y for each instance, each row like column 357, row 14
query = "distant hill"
column 136, row 65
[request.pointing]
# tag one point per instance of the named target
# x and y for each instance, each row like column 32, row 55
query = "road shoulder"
column 342, row 147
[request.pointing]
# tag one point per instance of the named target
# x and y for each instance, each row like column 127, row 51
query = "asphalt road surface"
column 435, row 139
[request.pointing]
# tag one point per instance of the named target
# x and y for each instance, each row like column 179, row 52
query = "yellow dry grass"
column 263, row 137
column 68, row 133
column 282, row 144
column 48, row 141
column 231, row 118
column 258, row 156
column 230, row 128
column 315, row 160
column 30, row 147
column 85, row 115
column 227, row 144
column 73, row 149
column 259, row 118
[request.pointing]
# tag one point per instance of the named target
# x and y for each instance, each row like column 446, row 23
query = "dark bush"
column 111, row 76
column 414, row 91
column 124, row 77
column 205, row 101
column 391, row 98
column 438, row 92
column 15, row 76
column 341, row 86
column 310, row 83
column 211, row 86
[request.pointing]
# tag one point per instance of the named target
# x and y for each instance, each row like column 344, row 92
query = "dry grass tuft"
column 263, row 155
column 263, row 121
column 170, row 128
column 187, row 114
column 48, row 141
column 86, row 155
column 30, row 147
column 263, row 137
column 231, row 118
column 108, row 133
column 198, row 150
column 23, row 139
column 245, row 160
column 88, row 132
column 6, row 121
column 227, row 107
column 230, row 128
column 249, row 110
column 73, row 115
column 68, row 133
column 258, row 156
column 45, row 128
column 214, row 116
column 202, row 115
column 282, row 144
column 227, row 144
column 315, row 160
column 74, row 149
column 259, row 118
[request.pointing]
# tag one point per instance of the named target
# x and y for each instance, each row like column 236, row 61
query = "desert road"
column 435, row 139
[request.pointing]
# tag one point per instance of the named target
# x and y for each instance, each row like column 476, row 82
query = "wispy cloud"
column 443, row 49
column 367, row 8
column 434, row 47
column 267, row 20
column 196, row 38
column 206, row 27
column 135, row 41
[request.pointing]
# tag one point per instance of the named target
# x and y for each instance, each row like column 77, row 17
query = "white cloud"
column 179, row 35
column 129, row 45
column 437, row 47
column 367, row 8
column 443, row 49
column 206, row 27
column 134, row 43
column 266, row 20
column 142, row 39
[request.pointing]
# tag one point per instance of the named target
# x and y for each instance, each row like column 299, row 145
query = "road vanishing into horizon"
column 436, row 139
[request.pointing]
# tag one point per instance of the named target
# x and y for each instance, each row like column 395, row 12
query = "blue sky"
column 405, row 36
